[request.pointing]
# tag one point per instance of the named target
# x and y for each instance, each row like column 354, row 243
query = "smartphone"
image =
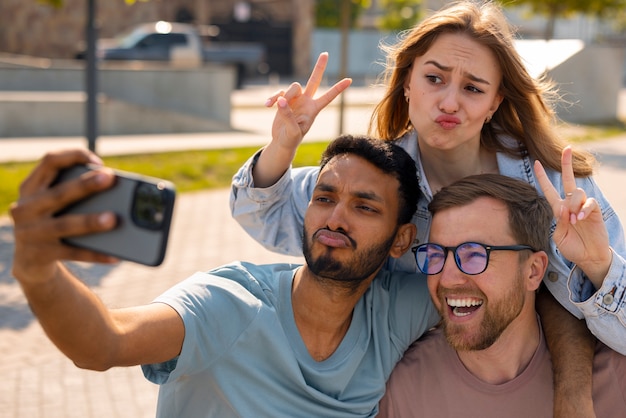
column 144, row 207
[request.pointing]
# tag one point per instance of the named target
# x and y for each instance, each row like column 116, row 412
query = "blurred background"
column 291, row 30
column 165, row 77
column 163, row 68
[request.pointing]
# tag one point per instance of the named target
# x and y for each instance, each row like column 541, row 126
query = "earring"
column 406, row 95
column 488, row 119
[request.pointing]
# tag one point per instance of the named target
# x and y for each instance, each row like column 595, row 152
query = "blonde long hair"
column 526, row 113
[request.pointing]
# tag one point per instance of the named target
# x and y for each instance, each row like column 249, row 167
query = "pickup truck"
column 182, row 43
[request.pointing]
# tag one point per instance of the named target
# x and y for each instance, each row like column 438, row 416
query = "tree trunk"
column 203, row 12
column 303, row 22
column 343, row 63
column 550, row 27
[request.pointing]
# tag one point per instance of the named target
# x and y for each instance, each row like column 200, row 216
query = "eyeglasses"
column 470, row 257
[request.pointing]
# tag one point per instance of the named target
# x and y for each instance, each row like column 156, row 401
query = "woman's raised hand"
column 580, row 233
column 298, row 107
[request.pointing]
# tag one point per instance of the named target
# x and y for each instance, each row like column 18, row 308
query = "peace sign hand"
column 580, row 233
column 297, row 108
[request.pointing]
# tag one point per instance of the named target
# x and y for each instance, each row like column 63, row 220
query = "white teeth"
column 456, row 312
column 457, row 304
column 463, row 303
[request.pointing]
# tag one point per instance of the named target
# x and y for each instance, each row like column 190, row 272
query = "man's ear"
column 537, row 264
column 404, row 239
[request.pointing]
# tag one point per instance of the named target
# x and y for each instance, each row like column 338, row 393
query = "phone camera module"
column 149, row 206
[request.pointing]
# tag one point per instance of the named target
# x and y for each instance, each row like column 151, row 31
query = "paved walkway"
column 38, row 382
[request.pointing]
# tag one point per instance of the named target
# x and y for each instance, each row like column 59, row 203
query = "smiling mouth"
column 463, row 307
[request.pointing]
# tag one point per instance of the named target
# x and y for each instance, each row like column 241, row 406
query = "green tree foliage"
column 554, row 9
column 328, row 12
column 396, row 14
column 620, row 20
column 59, row 3
column 399, row 14
column 53, row 3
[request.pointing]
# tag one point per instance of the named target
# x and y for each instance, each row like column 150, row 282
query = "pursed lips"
column 447, row 121
column 333, row 239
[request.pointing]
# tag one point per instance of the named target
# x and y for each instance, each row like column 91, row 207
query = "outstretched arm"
column 72, row 316
column 571, row 346
column 296, row 111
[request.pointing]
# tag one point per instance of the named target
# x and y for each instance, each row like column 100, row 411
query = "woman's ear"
column 403, row 240
column 496, row 103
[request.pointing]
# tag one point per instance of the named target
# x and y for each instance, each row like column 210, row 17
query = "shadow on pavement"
column 14, row 311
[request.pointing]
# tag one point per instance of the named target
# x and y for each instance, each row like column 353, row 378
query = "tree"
column 554, row 9
column 328, row 14
column 59, row 3
column 53, row 3
column 399, row 14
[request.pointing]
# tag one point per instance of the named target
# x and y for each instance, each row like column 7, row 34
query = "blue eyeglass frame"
column 457, row 261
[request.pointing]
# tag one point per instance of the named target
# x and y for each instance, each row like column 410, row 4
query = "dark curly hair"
column 389, row 158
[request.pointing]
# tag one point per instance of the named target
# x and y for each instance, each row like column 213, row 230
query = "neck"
column 509, row 356
column 444, row 167
column 323, row 311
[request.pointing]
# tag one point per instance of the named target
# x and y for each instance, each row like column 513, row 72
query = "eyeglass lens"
column 470, row 258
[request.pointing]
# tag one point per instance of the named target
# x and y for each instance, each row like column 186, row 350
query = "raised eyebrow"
column 323, row 187
column 369, row 196
column 468, row 75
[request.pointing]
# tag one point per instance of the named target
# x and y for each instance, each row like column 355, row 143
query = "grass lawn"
column 188, row 170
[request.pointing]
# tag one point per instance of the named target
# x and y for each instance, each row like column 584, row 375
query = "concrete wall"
column 203, row 92
column 365, row 58
column 50, row 101
column 590, row 83
column 34, row 114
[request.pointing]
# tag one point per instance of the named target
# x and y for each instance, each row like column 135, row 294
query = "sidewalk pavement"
column 39, row 382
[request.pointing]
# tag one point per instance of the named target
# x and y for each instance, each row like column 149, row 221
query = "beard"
column 352, row 272
column 497, row 317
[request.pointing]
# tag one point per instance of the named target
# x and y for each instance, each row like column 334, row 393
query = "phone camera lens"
column 148, row 206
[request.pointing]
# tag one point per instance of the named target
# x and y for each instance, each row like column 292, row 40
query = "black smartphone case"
column 130, row 240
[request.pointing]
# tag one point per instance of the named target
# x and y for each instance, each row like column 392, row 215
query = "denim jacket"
column 274, row 216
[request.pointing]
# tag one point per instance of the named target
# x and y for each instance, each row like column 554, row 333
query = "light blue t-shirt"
column 243, row 356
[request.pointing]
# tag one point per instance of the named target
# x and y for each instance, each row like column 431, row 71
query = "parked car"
column 181, row 42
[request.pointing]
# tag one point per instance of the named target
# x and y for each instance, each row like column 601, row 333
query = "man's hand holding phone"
column 38, row 232
column 49, row 215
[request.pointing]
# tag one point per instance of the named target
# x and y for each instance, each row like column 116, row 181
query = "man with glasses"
column 282, row 340
column 485, row 262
